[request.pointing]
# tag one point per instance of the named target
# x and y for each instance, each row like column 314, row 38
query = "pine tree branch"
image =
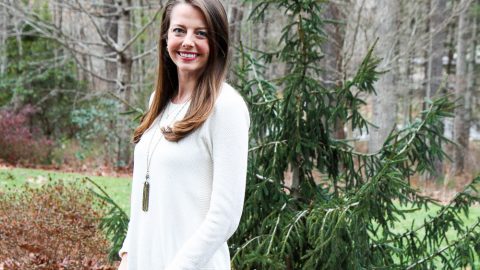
column 443, row 210
column 275, row 143
column 440, row 251
column 299, row 215
column 273, row 181
column 275, row 230
column 105, row 196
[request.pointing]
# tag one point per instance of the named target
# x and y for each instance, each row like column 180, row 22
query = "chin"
column 190, row 70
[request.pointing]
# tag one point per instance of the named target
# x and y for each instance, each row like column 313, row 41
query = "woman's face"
column 187, row 42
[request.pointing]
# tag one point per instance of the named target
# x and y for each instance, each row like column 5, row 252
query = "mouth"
column 188, row 56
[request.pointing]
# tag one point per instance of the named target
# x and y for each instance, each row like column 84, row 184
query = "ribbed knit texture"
column 197, row 189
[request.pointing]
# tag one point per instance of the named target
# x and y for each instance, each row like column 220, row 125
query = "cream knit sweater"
column 197, row 190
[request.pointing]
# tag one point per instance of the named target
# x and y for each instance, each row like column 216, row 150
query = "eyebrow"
column 198, row 28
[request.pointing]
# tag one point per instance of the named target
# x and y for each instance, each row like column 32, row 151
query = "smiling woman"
column 191, row 149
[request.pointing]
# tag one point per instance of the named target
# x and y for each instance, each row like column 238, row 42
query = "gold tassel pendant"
column 146, row 191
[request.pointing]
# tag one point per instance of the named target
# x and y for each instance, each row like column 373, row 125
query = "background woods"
column 356, row 106
column 80, row 65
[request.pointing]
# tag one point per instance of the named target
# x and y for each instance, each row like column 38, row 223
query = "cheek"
column 204, row 47
column 170, row 42
column 172, row 46
column 171, row 53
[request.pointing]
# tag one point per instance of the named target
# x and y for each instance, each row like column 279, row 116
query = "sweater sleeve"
column 228, row 132
column 126, row 242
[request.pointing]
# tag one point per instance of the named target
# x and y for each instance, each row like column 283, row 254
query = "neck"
column 186, row 85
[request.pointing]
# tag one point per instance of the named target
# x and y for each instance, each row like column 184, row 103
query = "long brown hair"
column 209, row 82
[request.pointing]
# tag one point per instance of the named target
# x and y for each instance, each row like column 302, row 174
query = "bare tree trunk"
column 384, row 107
column 141, row 69
column 461, row 123
column 110, row 30
column 236, row 11
column 451, row 49
column 16, row 101
column 404, row 68
column 356, row 38
column 473, row 42
column 334, row 57
column 124, row 76
column 436, row 48
column 83, row 74
column 333, row 46
column 436, row 51
column 3, row 39
column 476, row 69
column 58, row 20
column 353, row 44
column 236, row 18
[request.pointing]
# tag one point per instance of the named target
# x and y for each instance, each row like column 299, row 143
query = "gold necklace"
column 146, row 184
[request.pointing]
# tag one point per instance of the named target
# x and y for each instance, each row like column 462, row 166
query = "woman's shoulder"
column 230, row 106
column 229, row 99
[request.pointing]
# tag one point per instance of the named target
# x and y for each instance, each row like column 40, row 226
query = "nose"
column 188, row 41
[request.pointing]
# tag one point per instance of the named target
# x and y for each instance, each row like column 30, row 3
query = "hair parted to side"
column 210, row 81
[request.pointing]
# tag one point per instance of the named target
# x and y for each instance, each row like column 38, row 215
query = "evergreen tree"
column 346, row 219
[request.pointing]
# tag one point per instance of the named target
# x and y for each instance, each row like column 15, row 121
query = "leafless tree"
column 384, row 108
column 3, row 40
column 461, row 121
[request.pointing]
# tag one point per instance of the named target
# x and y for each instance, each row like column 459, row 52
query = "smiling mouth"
column 187, row 56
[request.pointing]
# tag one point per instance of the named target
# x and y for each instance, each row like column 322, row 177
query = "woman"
column 191, row 149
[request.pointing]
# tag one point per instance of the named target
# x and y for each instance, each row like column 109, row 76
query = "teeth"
column 187, row 55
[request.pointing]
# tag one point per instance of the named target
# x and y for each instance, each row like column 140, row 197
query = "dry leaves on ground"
column 53, row 227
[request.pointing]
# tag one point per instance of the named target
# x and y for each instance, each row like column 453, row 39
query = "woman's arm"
column 124, row 249
column 124, row 262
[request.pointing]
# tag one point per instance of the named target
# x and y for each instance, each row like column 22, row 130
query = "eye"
column 202, row 33
column 178, row 30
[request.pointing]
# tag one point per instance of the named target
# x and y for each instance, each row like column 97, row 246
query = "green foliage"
column 114, row 223
column 40, row 74
column 94, row 122
column 344, row 220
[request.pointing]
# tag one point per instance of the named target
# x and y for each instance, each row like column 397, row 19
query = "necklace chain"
column 149, row 158
column 146, row 184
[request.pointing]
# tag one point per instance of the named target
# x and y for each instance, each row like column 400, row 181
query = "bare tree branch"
column 152, row 20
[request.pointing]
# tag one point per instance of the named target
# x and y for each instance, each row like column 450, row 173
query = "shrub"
column 52, row 227
column 18, row 142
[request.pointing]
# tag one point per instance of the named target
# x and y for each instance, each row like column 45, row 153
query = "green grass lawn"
column 418, row 217
column 118, row 188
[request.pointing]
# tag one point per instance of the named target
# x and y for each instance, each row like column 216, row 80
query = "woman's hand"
column 123, row 265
